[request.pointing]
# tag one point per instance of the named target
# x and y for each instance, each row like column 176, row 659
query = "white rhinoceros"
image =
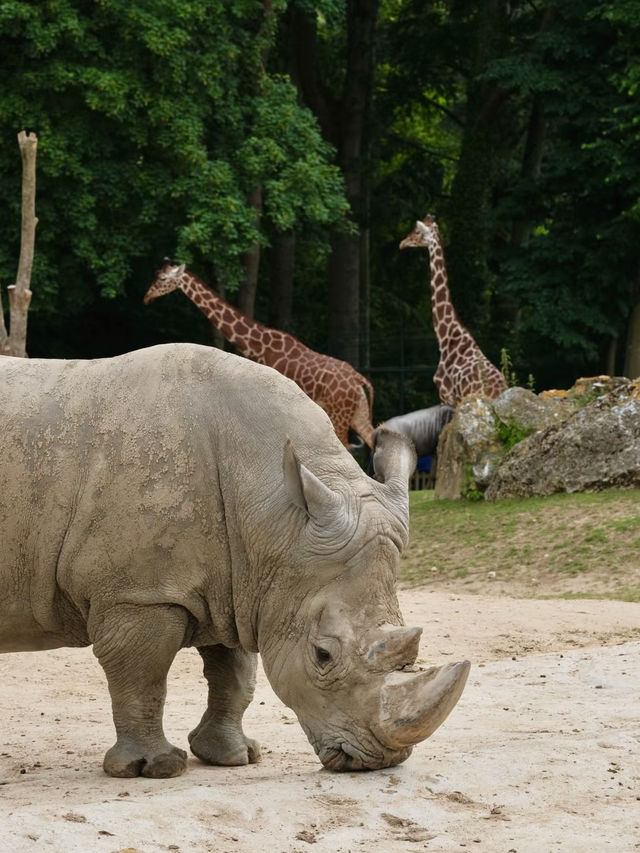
column 182, row 496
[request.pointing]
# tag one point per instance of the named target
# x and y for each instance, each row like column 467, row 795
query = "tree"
column 580, row 255
column 156, row 124
column 523, row 139
column 15, row 342
column 332, row 61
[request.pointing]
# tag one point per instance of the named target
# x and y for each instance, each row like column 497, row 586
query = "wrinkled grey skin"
column 423, row 426
column 154, row 501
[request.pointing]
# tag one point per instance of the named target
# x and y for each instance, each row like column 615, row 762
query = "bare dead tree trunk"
column 15, row 343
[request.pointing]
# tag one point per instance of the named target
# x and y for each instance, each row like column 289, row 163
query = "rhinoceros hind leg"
column 218, row 738
column 136, row 646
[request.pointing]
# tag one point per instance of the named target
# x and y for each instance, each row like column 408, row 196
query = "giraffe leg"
column 340, row 420
column 218, row 738
column 360, row 420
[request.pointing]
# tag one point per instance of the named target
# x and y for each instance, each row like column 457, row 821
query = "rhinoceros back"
column 126, row 467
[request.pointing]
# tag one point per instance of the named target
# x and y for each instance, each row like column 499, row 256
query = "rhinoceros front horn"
column 413, row 706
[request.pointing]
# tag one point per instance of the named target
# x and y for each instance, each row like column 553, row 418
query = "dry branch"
column 19, row 293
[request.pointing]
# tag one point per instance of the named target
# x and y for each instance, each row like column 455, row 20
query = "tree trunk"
column 632, row 354
column 612, row 353
column 4, row 337
column 19, row 293
column 345, row 271
column 632, row 357
column 365, row 299
column 248, row 288
column 247, row 292
column 531, row 163
column 282, row 268
column 474, row 181
column 344, row 298
column 344, row 119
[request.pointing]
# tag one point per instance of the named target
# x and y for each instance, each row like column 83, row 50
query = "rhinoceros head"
column 346, row 662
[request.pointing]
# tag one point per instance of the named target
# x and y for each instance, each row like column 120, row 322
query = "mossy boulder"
column 468, row 450
column 597, row 447
column 486, row 437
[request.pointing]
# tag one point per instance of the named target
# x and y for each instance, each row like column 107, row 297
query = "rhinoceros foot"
column 229, row 747
column 125, row 761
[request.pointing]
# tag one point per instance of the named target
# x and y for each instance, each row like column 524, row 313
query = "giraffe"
column 333, row 384
column 463, row 367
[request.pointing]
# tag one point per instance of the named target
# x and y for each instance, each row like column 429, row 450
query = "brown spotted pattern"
column 333, row 384
column 463, row 368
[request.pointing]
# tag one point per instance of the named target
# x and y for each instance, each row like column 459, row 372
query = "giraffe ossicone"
column 334, row 385
column 463, row 368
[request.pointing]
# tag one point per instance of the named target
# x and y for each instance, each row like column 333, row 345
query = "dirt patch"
column 540, row 754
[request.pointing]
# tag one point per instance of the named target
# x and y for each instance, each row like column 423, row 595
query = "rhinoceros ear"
column 308, row 492
column 292, row 477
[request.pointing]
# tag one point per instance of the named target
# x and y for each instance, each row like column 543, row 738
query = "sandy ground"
column 542, row 752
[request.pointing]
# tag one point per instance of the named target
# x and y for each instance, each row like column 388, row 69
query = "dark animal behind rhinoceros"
column 423, row 426
column 181, row 496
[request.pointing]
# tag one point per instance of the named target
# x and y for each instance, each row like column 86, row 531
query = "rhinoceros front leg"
column 136, row 646
column 218, row 738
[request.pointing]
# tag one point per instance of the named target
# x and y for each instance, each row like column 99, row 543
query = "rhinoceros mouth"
column 344, row 758
column 340, row 754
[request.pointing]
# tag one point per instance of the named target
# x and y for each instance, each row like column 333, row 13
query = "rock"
column 473, row 444
column 527, row 444
column 598, row 447
column 588, row 388
column 530, row 411
column 468, row 450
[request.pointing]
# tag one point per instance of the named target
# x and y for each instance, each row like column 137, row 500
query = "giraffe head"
column 167, row 279
column 424, row 235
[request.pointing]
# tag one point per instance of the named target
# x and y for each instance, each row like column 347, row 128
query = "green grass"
column 587, row 538
column 632, row 595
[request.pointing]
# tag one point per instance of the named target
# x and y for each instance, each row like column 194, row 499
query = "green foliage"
column 506, row 366
column 581, row 401
column 287, row 156
column 155, row 121
column 541, row 231
column 511, row 432
column 582, row 258
column 469, row 490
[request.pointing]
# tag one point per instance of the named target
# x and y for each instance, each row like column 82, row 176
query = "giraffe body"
column 463, row 368
column 331, row 383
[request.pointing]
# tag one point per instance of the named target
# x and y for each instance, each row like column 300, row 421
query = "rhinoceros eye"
column 323, row 657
